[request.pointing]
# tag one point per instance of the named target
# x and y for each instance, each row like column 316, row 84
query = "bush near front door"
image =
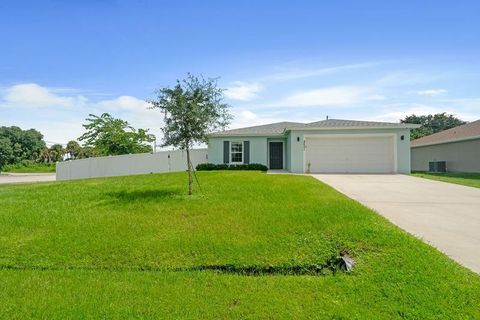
column 250, row 166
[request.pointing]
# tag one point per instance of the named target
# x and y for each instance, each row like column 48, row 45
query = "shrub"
column 250, row 166
column 257, row 166
column 27, row 166
column 206, row 167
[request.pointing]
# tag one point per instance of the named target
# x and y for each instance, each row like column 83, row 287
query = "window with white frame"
column 236, row 152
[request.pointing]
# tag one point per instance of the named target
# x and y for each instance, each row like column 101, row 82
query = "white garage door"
column 350, row 154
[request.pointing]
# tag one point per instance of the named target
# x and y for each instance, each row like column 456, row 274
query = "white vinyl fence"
column 143, row 163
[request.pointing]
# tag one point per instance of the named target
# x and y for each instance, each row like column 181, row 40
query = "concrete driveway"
column 444, row 215
column 26, row 177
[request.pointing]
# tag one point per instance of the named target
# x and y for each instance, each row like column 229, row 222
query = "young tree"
column 110, row 136
column 192, row 109
column 431, row 124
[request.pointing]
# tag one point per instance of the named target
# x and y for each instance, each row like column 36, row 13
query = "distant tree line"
column 17, row 145
column 431, row 124
column 104, row 136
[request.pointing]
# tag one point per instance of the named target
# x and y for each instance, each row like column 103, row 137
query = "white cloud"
column 395, row 112
column 31, row 95
column 247, row 91
column 294, row 74
column 248, row 118
column 431, row 92
column 247, row 115
column 58, row 113
column 408, row 78
column 123, row 103
column 243, row 91
column 472, row 104
column 332, row 97
column 34, row 96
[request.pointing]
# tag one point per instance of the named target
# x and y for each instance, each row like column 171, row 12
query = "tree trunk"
column 189, row 169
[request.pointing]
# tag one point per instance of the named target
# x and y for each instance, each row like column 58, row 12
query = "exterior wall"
column 403, row 152
column 258, row 148
column 130, row 164
column 462, row 156
column 402, row 146
column 288, row 152
column 294, row 161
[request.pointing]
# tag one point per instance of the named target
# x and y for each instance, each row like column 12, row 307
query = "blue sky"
column 279, row 60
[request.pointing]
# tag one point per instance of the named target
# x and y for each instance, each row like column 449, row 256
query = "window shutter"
column 226, row 151
column 246, row 152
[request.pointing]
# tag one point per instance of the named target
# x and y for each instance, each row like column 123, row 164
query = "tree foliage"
column 87, row 152
column 55, row 153
column 73, row 149
column 110, row 136
column 17, row 145
column 192, row 109
column 431, row 124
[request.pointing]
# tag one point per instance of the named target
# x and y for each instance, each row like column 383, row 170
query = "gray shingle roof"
column 338, row 123
column 266, row 129
column 466, row 131
column 280, row 127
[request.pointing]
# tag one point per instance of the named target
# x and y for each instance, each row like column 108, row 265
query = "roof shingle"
column 465, row 131
column 352, row 123
column 279, row 128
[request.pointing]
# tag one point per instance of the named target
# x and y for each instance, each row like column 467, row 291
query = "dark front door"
column 276, row 155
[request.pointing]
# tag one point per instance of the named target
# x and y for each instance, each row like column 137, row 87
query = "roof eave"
column 213, row 135
column 409, row 126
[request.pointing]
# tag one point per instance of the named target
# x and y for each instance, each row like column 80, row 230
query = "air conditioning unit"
column 437, row 166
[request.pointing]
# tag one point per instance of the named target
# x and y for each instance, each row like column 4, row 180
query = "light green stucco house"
column 329, row 146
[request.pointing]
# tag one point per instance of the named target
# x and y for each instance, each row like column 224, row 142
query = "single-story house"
column 328, row 146
column 459, row 147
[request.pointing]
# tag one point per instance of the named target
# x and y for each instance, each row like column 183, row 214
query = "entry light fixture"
column 402, row 137
column 298, row 139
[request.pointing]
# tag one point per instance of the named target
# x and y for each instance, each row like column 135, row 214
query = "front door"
column 276, row 155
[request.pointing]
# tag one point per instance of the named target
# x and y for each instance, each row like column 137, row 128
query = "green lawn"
column 249, row 246
column 30, row 168
column 464, row 178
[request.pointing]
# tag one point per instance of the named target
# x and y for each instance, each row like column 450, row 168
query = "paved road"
column 26, row 177
column 444, row 215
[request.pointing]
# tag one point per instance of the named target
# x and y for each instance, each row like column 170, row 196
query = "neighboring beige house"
column 459, row 147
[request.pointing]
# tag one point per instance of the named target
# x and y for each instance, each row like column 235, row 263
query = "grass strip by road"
column 470, row 179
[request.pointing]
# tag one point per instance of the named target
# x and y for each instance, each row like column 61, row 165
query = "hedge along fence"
column 250, row 166
column 27, row 166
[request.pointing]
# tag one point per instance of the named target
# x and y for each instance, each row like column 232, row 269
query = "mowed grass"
column 139, row 247
column 470, row 179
